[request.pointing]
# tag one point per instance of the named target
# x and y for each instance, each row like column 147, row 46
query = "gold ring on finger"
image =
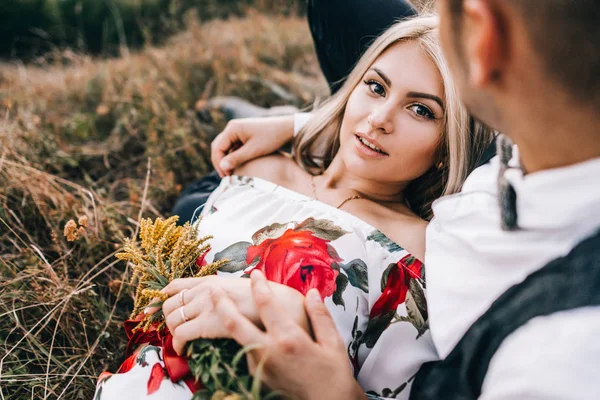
column 181, row 300
column 184, row 317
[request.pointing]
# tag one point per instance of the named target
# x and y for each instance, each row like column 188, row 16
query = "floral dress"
column 373, row 288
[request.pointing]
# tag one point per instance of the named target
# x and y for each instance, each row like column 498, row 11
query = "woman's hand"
column 203, row 321
column 249, row 138
column 292, row 361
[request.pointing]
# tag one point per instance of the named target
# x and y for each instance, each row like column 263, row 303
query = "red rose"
column 297, row 259
column 396, row 287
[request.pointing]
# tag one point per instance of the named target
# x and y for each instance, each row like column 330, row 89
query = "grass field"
column 109, row 141
column 104, row 142
column 112, row 27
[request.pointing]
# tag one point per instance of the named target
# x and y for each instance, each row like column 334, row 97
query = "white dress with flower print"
column 373, row 288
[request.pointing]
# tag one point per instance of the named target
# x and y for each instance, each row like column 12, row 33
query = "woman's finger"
column 181, row 291
column 177, row 285
column 273, row 316
column 176, row 314
column 205, row 326
column 189, row 290
column 182, row 298
column 178, row 346
column 323, row 327
column 240, row 328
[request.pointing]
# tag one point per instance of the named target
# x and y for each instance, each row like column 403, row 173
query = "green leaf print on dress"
column 236, row 255
column 385, row 242
column 322, row 228
column 357, row 274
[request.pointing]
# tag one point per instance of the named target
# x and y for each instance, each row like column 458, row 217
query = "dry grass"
column 76, row 141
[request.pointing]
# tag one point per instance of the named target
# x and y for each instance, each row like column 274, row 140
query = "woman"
column 339, row 39
column 346, row 215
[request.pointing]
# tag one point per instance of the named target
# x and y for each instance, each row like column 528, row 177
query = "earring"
column 440, row 165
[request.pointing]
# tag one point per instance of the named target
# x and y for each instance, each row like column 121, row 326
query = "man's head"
column 504, row 51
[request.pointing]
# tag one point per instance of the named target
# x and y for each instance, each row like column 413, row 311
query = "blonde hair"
column 462, row 141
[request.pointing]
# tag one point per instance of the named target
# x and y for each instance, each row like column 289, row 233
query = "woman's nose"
column 381, row 119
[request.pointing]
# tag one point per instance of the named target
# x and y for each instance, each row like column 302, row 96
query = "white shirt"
column 470, row 261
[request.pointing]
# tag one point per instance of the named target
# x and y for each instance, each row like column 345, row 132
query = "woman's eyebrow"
column 420, row 95
column 383, row 76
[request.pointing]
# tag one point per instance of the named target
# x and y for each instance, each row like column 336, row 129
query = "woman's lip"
column 367, row 151
column 372, row 141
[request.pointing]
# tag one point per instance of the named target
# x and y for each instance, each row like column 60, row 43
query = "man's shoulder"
column 554, row 356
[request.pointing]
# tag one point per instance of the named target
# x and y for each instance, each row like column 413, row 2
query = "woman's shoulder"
column 277, row 168
column 404, row 228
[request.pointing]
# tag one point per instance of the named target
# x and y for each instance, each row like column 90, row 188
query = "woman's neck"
column 337, row 177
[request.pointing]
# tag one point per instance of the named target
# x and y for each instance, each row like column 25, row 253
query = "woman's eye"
column 375, row 87
column 422, row 111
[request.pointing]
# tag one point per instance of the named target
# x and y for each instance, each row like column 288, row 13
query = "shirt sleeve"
column 553, row 357
column 300, row 119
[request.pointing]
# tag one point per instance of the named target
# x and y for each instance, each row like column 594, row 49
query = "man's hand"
column 249, row 138
column 289, row 359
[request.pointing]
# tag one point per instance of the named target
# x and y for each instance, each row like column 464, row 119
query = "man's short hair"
column 566, row 35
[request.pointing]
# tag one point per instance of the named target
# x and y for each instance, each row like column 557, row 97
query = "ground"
column 101, row 143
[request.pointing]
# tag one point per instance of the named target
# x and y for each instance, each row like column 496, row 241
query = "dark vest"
column 564, row 284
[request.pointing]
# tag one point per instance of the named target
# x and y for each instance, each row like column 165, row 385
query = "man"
column 513, row 269
column 530, row 69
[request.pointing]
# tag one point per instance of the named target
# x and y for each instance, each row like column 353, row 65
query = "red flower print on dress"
column 157, row 375
column 397, row 285
column 401, row 284
column 297, row 259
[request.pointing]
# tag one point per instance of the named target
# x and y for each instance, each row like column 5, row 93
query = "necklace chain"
column 347, row 199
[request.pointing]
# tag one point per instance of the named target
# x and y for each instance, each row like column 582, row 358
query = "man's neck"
column 555, row 140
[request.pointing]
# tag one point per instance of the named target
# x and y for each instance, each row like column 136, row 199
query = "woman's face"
column 393, row 119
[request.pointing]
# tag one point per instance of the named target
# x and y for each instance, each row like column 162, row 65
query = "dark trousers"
column 342, row 30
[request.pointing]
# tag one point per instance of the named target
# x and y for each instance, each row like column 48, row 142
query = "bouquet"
column 213, row 369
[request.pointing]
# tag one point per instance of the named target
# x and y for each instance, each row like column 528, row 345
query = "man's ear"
column 483, row 41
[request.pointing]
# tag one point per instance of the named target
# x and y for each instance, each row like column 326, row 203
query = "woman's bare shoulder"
column 275, row 168
column 404, row 228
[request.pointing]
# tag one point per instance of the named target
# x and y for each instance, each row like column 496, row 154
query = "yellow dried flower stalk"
column 165, row 252
column 155, row 294
column 211, row 269
column 145, row 229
